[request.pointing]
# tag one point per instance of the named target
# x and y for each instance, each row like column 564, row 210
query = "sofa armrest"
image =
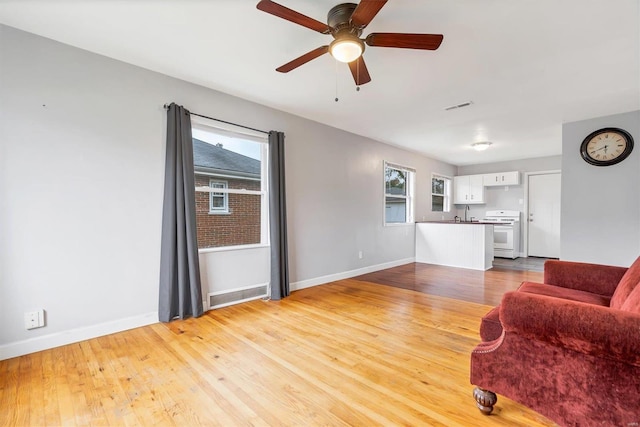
column 594, row 278
column 586, row 328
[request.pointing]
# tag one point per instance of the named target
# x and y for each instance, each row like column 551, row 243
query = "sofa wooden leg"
column 485, row 400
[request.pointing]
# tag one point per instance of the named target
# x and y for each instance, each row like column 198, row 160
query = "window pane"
column 437, row 203
column 227, row 219
column 437, row 186
column 395, row 210
column 217, row 201
column 395, row 181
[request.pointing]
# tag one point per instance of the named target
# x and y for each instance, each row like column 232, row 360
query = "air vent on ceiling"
column 454, row 107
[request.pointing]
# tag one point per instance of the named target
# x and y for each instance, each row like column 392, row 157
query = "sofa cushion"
column 627, row 284
column 564, row 293
column 596, row 278
column 632, row 303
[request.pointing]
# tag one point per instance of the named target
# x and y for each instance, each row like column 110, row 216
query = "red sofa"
column 569, row 348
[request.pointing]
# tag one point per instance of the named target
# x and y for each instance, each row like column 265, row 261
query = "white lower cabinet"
column 462, row 245
column 468, row 189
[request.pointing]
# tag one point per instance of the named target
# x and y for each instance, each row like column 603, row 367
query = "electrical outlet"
column 359, row 254
column 34, row 319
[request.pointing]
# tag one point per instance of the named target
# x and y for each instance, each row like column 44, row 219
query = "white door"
column 544, row 215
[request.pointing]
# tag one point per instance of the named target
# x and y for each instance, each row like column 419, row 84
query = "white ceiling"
column 527, row 65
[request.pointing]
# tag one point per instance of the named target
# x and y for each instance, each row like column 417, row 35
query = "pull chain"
column 336, row 61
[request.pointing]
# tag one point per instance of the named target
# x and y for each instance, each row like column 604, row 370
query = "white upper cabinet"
column 502, row 178
column 468, row 189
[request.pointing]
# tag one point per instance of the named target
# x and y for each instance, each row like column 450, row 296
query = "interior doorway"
column 542, row 230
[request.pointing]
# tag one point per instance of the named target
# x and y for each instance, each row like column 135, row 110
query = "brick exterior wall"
column 241, row 226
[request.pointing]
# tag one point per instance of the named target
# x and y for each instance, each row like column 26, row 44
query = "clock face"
column 606, row 147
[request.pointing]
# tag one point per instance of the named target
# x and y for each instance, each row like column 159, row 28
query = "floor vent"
column 236, row 296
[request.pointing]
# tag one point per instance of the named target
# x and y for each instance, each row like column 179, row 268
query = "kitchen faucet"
column 466, row 208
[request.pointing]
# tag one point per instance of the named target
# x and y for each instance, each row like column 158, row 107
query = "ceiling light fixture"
column 346, row 48
column 481, row 146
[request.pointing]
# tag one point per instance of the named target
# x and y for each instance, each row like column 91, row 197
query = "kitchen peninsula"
column 455, row 244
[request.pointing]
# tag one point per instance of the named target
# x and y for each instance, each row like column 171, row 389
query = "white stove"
column 506, row 217
column 506, row 232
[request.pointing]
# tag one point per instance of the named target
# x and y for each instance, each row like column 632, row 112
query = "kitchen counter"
column 458, row 222
column 437, row 242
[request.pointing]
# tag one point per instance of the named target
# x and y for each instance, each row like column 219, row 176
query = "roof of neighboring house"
column 215, row 157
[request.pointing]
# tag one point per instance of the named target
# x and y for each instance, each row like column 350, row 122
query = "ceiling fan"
column 345, row 22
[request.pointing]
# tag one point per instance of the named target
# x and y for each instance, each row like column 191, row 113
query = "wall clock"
column 606, row 146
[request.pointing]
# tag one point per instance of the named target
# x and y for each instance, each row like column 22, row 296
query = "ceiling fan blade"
column 359, row 71
column 301, row 60
column 293, row 16
column 366, row 11
column 406, row 41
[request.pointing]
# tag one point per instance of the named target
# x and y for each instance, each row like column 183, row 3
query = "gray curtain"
column 180, row 292
column 278, row 218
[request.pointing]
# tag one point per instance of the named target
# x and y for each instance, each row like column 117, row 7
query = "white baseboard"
column 58, row 339
column 296, row 286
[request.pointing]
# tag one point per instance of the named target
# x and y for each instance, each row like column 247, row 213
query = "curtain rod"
column 166, row 107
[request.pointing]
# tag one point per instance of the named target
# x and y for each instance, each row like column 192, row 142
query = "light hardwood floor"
column 352, row 352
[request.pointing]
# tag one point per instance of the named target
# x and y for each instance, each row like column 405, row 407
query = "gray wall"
column 600, row 205
column 81, row 176
column 511, row 197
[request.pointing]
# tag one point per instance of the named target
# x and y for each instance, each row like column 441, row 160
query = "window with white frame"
column 440, row 193
column 218, row 202
column 232, row 199
column 398, row 194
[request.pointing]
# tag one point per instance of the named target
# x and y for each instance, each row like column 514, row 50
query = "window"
column 231, row 187
column 218, row 202
column 440, row 193
column 398, row 194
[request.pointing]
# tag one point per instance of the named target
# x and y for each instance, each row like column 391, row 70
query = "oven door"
column 503, row 237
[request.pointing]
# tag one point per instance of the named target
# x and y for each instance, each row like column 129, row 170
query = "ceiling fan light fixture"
column 346, row 49
column 345, row 23
column 481, row 146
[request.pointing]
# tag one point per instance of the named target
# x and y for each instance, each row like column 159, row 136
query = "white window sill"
column 219, row 213
column 232, row 248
